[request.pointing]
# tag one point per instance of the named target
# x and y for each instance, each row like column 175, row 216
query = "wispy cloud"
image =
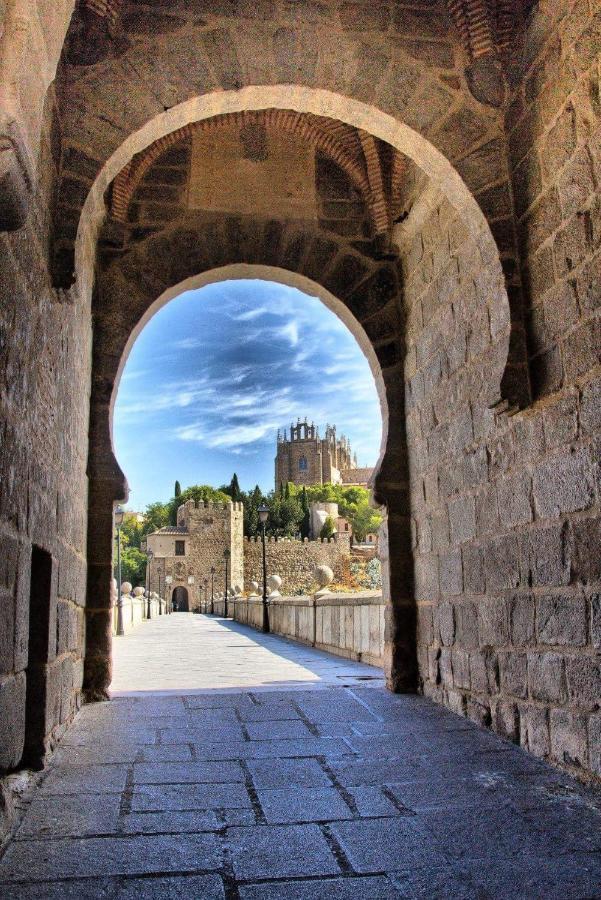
column 246, row 359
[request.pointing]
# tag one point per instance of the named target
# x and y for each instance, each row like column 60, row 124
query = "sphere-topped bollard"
column 254, row 589
column 126, row 588
column 274, row 583
column 324, row 577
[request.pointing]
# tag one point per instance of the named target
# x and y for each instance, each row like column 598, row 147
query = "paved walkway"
column 310, row 793
column 187, row 653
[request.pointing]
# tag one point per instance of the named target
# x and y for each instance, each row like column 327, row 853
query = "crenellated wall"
column 295, row 561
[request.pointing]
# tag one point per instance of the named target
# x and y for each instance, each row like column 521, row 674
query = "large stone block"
column 561, row 620
column 462, row 517
column 493, row 622
column 564, row 484
column 451, row 573
column 546, row 677
column 568, row 737
column 535, row 728
column 584, row 681
column 12, row 717
column 594, row 743
column 521, row 619
column 502, row 563
column 548, row 553
column 514, row 500
column 586, row 550
column 513, row 669
column 466, row 628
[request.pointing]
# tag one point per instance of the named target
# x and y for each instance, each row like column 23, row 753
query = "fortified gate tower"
column 186, row 552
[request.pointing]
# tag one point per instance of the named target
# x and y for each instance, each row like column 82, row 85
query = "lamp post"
column 205, row 581
column 212, row 590
column 226, row 556
column 119, row 516
column 149, row 555
column 159, row 577
column 263, row 516
column 168, row 582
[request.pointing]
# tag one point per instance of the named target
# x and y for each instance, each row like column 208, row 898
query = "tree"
column 328, row 529
column 252, row 502
column 156, row 516
column 305, row 523
column 133, row 566
column 178, row 489
column 234, row 489
column 196, row 492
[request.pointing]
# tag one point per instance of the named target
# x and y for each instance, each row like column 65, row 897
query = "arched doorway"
column 179, row 599
column 404, row 329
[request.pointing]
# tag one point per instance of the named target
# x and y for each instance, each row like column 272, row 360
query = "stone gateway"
column 443, row 163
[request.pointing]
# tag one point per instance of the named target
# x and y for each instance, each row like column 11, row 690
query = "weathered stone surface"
column 408, row 61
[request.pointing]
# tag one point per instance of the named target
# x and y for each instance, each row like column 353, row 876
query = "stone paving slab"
column 222, row 772
column 400, row 799
column 197, row 887
column 280, row 852
column 380, row 888
column 157, row 797
column 71, row 816
column 36, row 860
column 303, row 805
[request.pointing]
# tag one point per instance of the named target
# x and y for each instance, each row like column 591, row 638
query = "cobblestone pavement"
column 334, row 789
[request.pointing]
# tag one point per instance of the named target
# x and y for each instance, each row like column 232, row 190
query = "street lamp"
column 226, row 556
column 205, row 581
column 119, row 516
column 160, row 592
column 149, row 555
column 263, row 516
column 212, row 590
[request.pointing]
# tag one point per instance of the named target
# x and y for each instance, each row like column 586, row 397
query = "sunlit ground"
column 185, row 652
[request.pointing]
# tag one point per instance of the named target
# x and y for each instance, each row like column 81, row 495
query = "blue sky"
column 218, row 370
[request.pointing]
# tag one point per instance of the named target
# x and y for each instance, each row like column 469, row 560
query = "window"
column 302, row 463
column 180, row 548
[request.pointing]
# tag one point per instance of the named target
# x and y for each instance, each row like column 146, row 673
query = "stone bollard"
column 126, row 588
column 323, row 576
column 254, row 589
column 274, row 583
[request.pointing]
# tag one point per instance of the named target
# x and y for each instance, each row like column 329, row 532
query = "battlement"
column 190, row 511
column 335, row 539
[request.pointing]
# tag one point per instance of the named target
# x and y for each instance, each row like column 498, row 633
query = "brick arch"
column 362, row 291
column 453, row 182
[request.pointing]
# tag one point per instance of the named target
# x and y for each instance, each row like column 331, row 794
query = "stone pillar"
column 391, row 489
column 107, row 486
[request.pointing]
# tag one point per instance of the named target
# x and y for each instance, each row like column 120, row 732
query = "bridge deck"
column 244, row 767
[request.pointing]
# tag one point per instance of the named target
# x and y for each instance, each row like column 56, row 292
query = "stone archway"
column 363, row 292
column 179, row 599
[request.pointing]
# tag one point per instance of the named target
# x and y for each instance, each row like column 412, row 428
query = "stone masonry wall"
column 295, row 561
column 45, row 340
column 506, row 509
